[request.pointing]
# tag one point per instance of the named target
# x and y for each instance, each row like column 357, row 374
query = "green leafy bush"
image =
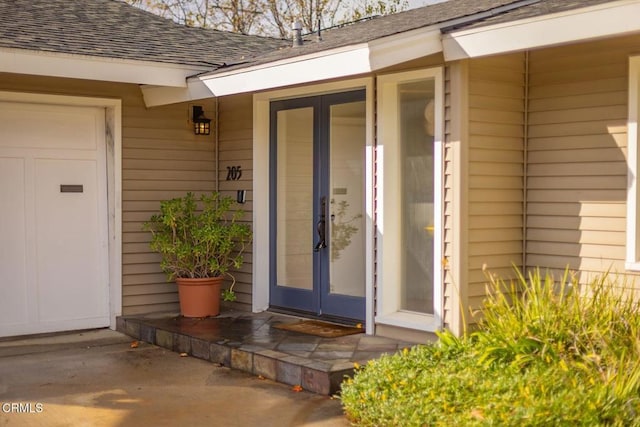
column 200, row 237
column 546, row 352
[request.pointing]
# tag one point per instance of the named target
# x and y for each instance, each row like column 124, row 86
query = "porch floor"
column 249, row 342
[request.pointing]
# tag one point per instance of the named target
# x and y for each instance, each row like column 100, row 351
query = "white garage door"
column 53, row 219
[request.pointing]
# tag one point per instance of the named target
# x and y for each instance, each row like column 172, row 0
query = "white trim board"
column 604, row 20
column 362, row 58
column 40, row 63
column 162, row 95
column 633, row 196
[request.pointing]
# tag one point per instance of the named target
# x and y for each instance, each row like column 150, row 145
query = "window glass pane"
column 294, row 198
column 416, row 119
column 346, row 209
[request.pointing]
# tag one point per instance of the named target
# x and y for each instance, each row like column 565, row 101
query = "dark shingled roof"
column 540, row 8
column 113, row 29
column 436, row 14
column 381, row 26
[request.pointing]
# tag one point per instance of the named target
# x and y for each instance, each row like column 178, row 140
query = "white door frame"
column 113, row 140
column 261, row 196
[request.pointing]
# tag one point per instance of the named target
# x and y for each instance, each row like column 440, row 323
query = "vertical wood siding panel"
column 448, row 167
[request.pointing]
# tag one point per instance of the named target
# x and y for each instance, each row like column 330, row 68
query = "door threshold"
column 323, row 317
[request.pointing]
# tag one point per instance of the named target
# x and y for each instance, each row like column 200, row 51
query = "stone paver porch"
column 249, row 342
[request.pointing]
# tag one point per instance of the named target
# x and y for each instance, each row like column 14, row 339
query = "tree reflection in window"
column 342, row 227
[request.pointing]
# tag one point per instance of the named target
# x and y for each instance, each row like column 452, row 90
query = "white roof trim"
column 604, row 20
column 404, row 47
column 53, row 64
column 162, row 95
column 325, row 65
column 303, row 69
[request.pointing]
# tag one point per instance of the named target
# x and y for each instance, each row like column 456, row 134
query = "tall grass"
column 548, row 351
column 538, row 317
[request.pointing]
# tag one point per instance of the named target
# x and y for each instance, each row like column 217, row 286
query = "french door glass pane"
column 416, row 107
column 346, row 208
column 295, row 198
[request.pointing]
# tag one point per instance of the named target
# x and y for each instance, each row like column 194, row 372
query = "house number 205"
column 234, row 173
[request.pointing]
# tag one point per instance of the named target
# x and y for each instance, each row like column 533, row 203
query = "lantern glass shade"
column 201, row 124
column 202, row 127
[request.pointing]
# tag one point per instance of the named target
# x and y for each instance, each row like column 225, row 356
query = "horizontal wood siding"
column 496, row 170
column 235, row 150
column 577, row 156
column 161, row 158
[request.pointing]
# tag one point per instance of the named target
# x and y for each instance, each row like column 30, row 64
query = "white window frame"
column 633, row 196
column 388, row 216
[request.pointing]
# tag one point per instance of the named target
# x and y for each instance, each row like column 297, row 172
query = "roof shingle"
column 539, row 8
column 382, row 26
column 114, row 29
column 440, row 14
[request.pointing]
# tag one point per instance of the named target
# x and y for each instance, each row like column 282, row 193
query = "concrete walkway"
column 96, row 378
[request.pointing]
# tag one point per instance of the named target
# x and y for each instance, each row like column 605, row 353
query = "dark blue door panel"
column 318, row 301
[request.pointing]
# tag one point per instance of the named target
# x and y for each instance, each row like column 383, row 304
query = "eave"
column 577, row 25
column 330, row 64
column 55, row 64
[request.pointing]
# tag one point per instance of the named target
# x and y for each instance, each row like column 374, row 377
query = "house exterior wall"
column 543, row 138
column 483, row 179
column 577, row 147
column 161, row 158
column 493, row 218
column 448, row 303
column 573, row 150
column 235, row 121
column 455, row 194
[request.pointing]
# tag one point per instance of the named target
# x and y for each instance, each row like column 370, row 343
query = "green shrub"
column 546, row 353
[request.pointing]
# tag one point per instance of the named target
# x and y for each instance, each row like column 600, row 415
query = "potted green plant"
column 200, row 240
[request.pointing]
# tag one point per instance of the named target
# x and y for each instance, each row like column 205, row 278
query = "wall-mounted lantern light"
column 201, row 124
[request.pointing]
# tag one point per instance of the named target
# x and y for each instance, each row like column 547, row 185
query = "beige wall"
column 574, row 153
column 577, row 171
column 161, row 158
column 575, row 163
column 571, row 147
column 496, row 171
column 235, row 149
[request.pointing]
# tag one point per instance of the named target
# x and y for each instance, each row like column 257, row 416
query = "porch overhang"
column 576, row 25
column 326, row 65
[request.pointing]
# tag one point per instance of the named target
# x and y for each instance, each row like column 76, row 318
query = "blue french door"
column 317, row 207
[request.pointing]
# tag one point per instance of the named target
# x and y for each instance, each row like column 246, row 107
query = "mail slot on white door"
column 66, row 188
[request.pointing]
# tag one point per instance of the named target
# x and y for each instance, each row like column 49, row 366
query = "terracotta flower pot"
column 199, row 297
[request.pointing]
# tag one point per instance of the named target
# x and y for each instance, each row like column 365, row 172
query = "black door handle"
column 321, row 226
column 322, row 243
